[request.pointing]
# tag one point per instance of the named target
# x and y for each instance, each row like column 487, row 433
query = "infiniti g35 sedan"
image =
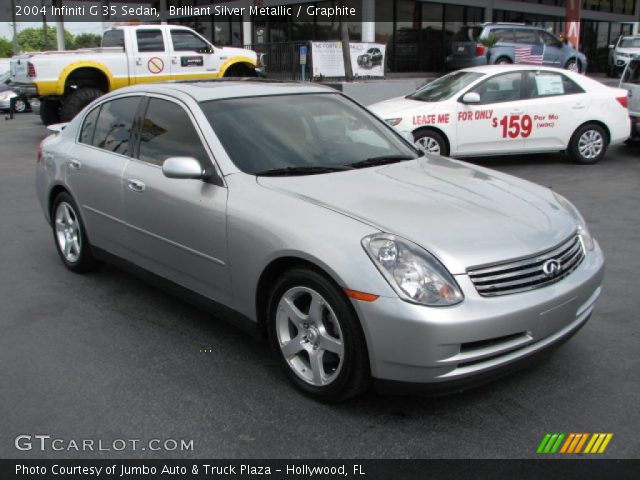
column 305, row 216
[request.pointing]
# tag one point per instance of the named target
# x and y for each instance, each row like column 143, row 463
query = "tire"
column 69, row 231
column 240, row 71
column 587, row 135
column 430, row 141
column 573, row 65
column 611, row 71
column 76, row 101
column 503, row 61
column 49, row 111
column 20, row 105
column 332, row 336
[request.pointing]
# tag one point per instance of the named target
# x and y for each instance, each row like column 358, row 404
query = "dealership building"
column 417, row 33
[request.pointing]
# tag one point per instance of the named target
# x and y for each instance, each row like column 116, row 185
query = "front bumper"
column 452, row 345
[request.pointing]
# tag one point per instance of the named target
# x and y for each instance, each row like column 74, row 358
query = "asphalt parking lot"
column 106, row 356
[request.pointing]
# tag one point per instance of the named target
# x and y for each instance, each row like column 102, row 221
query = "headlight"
column 583, row 231
column 393, row 121
column 415, row 274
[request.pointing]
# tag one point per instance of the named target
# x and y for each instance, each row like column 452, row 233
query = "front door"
column 553, row 50
column 176, row 227
column 191, row 56
column 499, row 123
column 94, row 172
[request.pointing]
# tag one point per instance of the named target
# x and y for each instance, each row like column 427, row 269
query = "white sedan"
column 493, row 110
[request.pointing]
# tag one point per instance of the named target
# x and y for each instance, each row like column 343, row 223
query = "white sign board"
column 549, row 84
column 367, row 59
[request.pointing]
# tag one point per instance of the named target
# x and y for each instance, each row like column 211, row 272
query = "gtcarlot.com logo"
column 45, row 443
column 574, row 443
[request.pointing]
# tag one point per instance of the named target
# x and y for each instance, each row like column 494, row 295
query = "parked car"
column 67, row 81
column 518, row 43
column 623, row 50
column 630, row 81
column 7, row 95
column 510, row 109
column 370, row 58
column 309, row 218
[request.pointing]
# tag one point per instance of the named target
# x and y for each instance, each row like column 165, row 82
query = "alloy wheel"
column 309, row 336
column 68, row 232
column 590, row 144
column 428, row 145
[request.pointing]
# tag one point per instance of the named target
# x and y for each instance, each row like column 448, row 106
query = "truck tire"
column 77, row 100
column 49, row 111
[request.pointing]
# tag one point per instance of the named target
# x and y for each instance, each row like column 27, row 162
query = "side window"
column 548, row 84
column 113, row 128
column 150, row 41
column 549, row 40
column 632, row 73
column 113, row 38
column 89, row 126
column 504, row 34
column 526, row 36
column 185, row 41
column 500, row 88
column 167, row 131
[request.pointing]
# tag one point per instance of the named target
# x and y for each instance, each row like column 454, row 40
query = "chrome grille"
column 530, row 273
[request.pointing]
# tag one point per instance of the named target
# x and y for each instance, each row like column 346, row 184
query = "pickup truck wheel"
column 240, row 71
column 49, row 111
column 77, row 100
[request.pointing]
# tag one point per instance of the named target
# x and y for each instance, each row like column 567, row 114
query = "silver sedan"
column 294, row 211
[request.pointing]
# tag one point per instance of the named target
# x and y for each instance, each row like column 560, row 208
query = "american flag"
column 530, row 54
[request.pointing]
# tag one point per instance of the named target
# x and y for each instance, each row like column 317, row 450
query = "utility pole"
column 16, row 47
column 59, row 26
column 346, row 49
column 44, row 26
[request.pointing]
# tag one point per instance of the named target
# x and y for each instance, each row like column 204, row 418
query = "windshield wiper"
column 305, row 170
column 377, row 161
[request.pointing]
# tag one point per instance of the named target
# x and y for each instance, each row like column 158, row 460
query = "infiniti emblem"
column 551, row 268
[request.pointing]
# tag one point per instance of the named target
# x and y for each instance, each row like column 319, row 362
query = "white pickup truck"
column 67, row 81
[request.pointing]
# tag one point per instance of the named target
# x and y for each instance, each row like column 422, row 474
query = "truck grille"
column 533, row 272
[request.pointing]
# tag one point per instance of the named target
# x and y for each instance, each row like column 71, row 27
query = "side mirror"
column 182, row 167
column 471, row 97
column 612, row 46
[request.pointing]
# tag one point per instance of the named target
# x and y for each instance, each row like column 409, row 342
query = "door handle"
column 75, row 164
column 138, row 61
column 578, row 106
column 135, row 185
column 174, row 60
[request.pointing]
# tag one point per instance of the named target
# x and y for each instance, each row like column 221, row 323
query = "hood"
column 630, row 51
column 466, row 216
column 228, row 52
column 398, row 107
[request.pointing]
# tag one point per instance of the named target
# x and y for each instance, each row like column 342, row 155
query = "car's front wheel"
column 317, row 336
column 588, row 144
column 20, row 105
column 430, row 141
column 70, row 236
column 573, row 65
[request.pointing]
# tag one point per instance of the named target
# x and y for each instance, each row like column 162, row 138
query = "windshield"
column 445, row 87
column 630, row 42
column 315, row 132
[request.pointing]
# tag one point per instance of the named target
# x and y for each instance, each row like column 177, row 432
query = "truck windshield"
column 445, row 87
column 630, row 42
column 309, row 133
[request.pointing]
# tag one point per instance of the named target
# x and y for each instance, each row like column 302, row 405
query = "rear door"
column 528, row 48
column 631, row 82
column 191, row 56
column 151, row 56
column 556, row 106
column 495, row 124
column 177, row 227
column 94, row 170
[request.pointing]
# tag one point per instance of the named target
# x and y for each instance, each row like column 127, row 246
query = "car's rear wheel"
column 573, row 65
column 317, row 336
column 503, row 61
column 588, row 144
column 430, row 141
column 20, row 105
column 70, row 235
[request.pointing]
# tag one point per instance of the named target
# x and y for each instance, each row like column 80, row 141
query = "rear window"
column 113, row 38
column 467, row 34
column 504, row 34
column 150, row 41
column 113, row 128
column 527, row 37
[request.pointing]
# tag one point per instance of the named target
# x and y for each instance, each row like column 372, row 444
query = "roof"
column 203, row 90
column 511, row 68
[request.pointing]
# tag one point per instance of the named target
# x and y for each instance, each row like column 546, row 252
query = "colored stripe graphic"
column 574, row 442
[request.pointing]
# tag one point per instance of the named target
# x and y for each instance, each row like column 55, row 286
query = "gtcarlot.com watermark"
column 48, row 443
